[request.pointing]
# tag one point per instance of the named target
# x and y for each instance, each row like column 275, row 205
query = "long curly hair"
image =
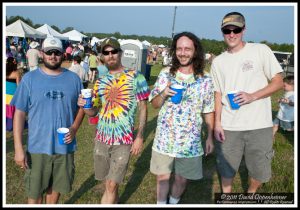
column 198, row 61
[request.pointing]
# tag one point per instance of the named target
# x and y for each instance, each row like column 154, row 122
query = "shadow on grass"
column 142, row 166
column 85, row 187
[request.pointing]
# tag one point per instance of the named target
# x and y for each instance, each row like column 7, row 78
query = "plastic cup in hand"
column 176, row 99
column 61, row 132
column 231, row 97
column 87, row 95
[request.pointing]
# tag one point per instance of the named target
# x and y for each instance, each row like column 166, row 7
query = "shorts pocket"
column 270, row 154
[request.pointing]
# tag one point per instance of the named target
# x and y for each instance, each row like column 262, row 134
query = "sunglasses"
column 56, row 52
column 235, row 31
column 105, row 52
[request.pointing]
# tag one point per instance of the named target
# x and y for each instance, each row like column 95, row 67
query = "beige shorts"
column 189, row 168
column 111, row 161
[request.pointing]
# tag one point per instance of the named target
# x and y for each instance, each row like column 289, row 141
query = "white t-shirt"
column 79, row 70
column 286, row 112
column 248, row 70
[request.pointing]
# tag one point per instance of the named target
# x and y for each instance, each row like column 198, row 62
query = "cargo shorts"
column 111, row 161
column 44, row 171
column 255, row 145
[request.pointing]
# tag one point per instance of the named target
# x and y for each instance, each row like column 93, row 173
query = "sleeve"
column 215, row 79
column 209, row 98
column 142, row 89
column 21, row 98
column 160, row 84
column 271, row 65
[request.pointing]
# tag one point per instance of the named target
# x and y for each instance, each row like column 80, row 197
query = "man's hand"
column 137, row 146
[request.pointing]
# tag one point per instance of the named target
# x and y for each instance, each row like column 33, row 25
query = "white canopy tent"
column 75, row 35
column 46, row 29
column 21, row 29
column 145, row 42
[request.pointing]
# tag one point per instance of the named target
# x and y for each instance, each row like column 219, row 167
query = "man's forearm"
column 218, row 108
column 78, row 119
column 142, row 118
column 18, row 125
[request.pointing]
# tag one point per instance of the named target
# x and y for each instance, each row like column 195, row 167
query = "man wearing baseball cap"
column 117, row 95
column 47, row 95
column 253, row 71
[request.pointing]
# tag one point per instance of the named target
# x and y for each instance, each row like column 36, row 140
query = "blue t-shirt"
column 51, row 103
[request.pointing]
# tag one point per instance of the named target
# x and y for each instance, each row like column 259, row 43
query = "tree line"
column 210, row 45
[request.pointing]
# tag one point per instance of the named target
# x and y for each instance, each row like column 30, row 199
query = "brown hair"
column 198, row 58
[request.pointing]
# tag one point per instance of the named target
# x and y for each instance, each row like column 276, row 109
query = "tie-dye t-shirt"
column 117, row 96
column 178, row 132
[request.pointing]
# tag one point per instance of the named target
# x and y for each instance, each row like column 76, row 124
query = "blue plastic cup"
column 61, row 133
column 87, row 95
column 176, row 99
column 231, row 96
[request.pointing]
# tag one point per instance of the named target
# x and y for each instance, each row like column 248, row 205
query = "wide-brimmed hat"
column 34, row 45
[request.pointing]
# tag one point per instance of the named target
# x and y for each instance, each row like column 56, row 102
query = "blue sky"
column 272, row 22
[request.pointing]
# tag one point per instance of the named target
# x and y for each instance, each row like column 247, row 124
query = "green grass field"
column 139, row 186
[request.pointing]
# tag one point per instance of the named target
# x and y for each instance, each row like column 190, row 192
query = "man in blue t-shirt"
column 48, row 95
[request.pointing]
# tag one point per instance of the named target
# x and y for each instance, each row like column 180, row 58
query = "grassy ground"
column 139, row 186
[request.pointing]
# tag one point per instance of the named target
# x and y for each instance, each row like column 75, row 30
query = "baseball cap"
column 110, row 42
column 51, row 43
column 234, row 19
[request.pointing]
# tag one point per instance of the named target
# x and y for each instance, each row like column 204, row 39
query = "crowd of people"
column 118, row 93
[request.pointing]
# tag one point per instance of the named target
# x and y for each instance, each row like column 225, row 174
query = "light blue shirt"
column 51, row 103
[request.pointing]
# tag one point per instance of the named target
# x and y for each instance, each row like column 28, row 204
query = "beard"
column 114, row 66
column 53, row 66
column 187, row 64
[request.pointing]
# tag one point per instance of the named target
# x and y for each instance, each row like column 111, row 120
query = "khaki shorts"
column 49, row 170
column 255, row 145
column 189, row 168
column 111, row 161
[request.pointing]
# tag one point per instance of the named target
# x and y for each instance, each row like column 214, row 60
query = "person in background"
column 177, row 147
column 47, row 95
column 33, row 55
column 117, row 95
column 13, row 78
column 77, row 68
column 285, row 115
column 93, row 66
column 253, row 70
column 101, row 68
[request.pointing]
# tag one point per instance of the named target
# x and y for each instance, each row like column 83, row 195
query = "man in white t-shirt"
column 253, row 71
column 33, row 55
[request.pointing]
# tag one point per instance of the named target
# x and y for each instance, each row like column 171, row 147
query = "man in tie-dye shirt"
column 177, row 146
column 117, row 94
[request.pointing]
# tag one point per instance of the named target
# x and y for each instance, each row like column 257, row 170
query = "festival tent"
column 96, row 40
column 75, row 35
column 145, row 42
column 51, row 32
column 21, row 29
